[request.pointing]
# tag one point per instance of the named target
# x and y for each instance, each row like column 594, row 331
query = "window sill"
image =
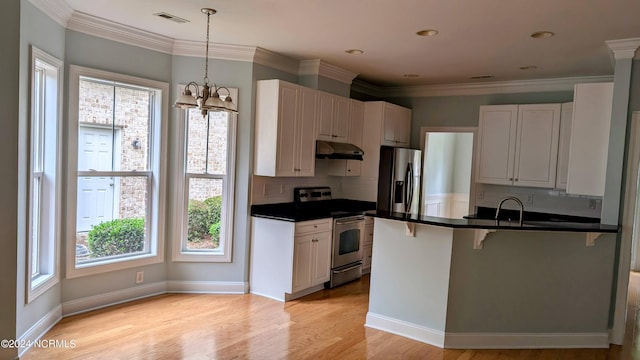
column 75, row 271
column 193, row 256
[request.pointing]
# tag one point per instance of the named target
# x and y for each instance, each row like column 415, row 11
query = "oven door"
column 348, row 235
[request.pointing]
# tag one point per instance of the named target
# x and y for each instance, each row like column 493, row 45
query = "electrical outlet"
column 281, row 188
column 480, row 195
column 592, row 204
column 139, row 277
column 530, row 199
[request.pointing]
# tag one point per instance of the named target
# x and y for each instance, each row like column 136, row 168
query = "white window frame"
column 44, row 225
column 180, row 253
column 157, row 160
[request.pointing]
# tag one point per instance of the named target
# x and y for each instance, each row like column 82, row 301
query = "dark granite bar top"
column 293, row 212
column 534, row 225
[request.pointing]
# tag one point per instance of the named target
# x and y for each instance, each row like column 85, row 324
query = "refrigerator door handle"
column 408, row 191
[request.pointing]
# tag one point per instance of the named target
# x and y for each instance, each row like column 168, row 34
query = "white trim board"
column 526, row 340
column 40, row 328
column 449, row 340
column 99, row 301
column 406, row 329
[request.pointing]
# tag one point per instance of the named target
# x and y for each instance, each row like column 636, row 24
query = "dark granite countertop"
column 474, row 223
column 291, row 212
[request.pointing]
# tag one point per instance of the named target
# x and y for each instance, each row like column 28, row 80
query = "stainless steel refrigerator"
column 399, row 180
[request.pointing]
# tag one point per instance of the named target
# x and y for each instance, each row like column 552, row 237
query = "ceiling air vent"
column 482, row 76
column 164, row 15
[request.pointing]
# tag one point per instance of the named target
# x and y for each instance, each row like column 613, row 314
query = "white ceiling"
column 477, row 37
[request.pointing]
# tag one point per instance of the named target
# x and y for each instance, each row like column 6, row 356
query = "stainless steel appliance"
column 348, row 231
column 399, row 180
column 346, row 258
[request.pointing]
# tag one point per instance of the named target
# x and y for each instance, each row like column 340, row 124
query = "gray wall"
column 464, row 110
column 39, row 30
column 236, row 75
column 530, row 282
column 9, row 103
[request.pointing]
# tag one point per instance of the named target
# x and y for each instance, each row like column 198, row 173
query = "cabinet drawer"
column 313, row 226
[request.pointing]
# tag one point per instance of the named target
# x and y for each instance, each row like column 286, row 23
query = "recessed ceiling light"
column 529, row 67
column 429, row 32
column 411, row 75
column 542, row 34
column 486, row 76
column 354, row 51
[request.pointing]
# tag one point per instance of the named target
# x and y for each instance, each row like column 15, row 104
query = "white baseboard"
column 112, row 298
column 406, row 329
column 142, row 291
column 526, row 340
column 208, row 287
column 40, row 328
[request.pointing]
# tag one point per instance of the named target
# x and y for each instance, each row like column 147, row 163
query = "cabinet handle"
column 516, row 179
column 510, row 179
column 348, row 170
column 315, row 226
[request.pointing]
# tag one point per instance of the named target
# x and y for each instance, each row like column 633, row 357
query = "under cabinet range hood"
column 335, row 150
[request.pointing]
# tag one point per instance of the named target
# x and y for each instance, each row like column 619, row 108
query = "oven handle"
column 347, row 269
column 346, row 222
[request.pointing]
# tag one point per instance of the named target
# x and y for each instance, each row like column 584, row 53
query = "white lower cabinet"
column 311, row 260
column 289, row 259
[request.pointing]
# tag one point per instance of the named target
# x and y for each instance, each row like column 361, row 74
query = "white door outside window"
column 95, row 194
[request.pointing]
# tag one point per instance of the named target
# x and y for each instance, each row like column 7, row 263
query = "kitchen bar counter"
column 491, row 224
column 535, row 286
column 293, row 212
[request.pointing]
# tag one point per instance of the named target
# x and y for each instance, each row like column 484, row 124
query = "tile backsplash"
column 539, row 200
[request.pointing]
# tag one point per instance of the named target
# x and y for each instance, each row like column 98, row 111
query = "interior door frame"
column 456, row 129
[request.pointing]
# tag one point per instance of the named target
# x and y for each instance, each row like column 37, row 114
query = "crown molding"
column 497, row 87
column 58, row 10
column 216, row 51
column 99, row 27
column 624, row 48
column 321, row 68
column 276, row 61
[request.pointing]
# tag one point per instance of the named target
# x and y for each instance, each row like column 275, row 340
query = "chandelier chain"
column 206, row 58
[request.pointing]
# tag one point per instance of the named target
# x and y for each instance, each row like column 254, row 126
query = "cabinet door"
column 537, row 145
column 341, row 119
column 389, row 119
column 305, row 138
column 286, row 143
column 403, row 127
column 325, row 116
column 321, row 271
column 589, row 146
column 496, row 144
column 302, row 262
column 566, row 114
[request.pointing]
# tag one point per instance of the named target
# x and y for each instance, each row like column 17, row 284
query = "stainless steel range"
column 348, row 232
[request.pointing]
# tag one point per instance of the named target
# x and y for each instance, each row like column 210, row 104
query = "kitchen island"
column 471, row 283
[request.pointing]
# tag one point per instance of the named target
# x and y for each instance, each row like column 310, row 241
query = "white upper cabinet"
column 383, row 120
column 285, row 129
column 396, row 125
column 333, row 117
column 518, row 144
column 589, row 146
column 356, row 123
column 566, row 115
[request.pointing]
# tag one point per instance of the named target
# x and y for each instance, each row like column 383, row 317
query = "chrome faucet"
column 514, row 199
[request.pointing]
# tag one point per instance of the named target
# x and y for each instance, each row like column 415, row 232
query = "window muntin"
column 117, row 126
column 43, row 231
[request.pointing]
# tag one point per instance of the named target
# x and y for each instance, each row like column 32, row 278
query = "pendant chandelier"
column 209, row 98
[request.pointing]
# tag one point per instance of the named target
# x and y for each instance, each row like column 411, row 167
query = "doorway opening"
column 447, row 179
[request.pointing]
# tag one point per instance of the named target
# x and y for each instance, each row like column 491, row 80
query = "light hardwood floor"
column 324, row 325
